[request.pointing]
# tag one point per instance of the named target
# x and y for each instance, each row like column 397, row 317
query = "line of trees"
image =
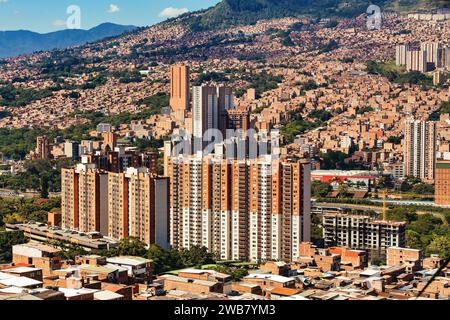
column 164, row 260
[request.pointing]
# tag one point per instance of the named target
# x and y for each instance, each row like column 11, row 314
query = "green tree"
column 320, row 189
column 413, row 239
column 394, row 140
column 336, row 160
column 164, row 260
column 13, row 218
column 69, row 251
column 131, row 247
column 44, row 187
column 401, row 214
column 343, row 190
column 321, row 115
column 423, row 188
column 196, row 256
column 159, row 258
column 425, row 224
column 440, row 245
column 7, row 241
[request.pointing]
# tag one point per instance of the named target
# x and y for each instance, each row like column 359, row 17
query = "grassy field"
column 391, row 66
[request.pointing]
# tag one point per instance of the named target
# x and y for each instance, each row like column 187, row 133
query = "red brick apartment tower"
column 239, row 210
column 179, row 89
column 442, row 196
column 84, row 204
column 249, row 209
column 69, row 199
column 137, row 205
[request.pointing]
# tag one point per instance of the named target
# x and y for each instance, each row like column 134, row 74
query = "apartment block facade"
column 138, row 206
column 362, row 232
column 211, row 109
column 134, row 203
column 434, row 53
column 179, row 89
column 442, row 186
column 84, row 199
column 254, row 210
column 205, row 110
column 396, row 256
column 400, row 54
column 42, row 150
column 416, row 60
column 420, row 149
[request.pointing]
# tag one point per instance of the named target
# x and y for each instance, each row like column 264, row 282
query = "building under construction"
column 363, row 232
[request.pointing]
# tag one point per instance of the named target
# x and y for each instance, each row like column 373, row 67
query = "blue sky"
column 50, row 15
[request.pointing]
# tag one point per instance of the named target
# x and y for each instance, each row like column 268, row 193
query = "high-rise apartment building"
column 134, row 203
column 42, row 150
column 225, row 98
column 416, row 60
column 104, row 127
column 84, row 199
column 434, row 53
column 420, row 149
column 430, row 56
column 179, row 89
column 400, row 54
column 240, row 209
column 442, row 186
column 205, row 113
column 363, row 232
column 446, row 57
column 72, row 150
column 138, row 205
column 235, row 119
column 119, row 160
column 439, row 77
column 225, row 102
column 109, row 140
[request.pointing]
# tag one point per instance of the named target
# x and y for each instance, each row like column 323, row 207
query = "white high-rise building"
column 400, row 54
column 446, row 58
column 416, row 60
column 205, row 112
column 420, row 149
column 434, row 53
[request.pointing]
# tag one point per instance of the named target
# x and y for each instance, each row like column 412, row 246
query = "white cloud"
column 113, row 8
column 172, row 12
column 4, row 1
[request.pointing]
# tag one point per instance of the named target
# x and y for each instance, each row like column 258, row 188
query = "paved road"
column 406, row 202
column 380, row 201
column 350, row 206
column 10, row 194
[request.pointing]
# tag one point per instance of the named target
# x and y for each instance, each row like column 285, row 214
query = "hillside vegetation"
column 241, row 12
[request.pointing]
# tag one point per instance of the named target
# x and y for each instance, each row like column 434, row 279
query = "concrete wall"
column 103, row 197
column 162, row 213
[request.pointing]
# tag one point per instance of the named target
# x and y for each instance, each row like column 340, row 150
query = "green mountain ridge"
column 244, row 12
